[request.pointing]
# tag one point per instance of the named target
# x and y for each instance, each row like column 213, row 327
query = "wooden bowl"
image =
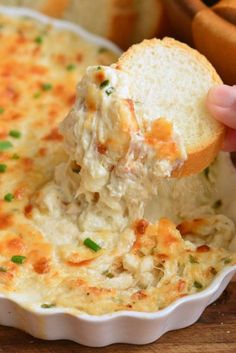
column 211, row 30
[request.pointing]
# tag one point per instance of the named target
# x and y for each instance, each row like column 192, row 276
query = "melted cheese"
column 121, row 155
column 143, row 266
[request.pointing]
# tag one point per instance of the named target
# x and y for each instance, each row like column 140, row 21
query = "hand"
column 221, row 103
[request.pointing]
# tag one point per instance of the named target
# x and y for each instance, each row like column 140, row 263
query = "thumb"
column 221, row 103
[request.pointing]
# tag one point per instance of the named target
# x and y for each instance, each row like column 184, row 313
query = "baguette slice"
column 171, row 80
column 227, row 10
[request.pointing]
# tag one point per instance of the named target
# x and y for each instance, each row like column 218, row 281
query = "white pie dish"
column 121, row 327
column 125, row 326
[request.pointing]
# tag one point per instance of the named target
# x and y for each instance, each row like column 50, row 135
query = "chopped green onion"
column 217, row 204
column 109, row 91
column 46, row 86
column 15, row 133
column 18, row 259
column 193, row 259
column 102, row 50
column 38, row 40
column 2, row 110
column 3, row 269
column 99, row 68
column 5, row 145
column 70, row 67
column 9, row 197
column 206, row 172
column 48, row 306
column 37, row 95
column 3, row 168
column 108, row 274
column 104, row 83
column 15, row 156
column 91, row 244
column 198, row 285
column 227, row 260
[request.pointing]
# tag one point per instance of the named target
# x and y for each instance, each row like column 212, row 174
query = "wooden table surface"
column 215, row 332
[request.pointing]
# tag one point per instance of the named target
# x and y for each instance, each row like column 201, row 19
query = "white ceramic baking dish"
column 121, row 327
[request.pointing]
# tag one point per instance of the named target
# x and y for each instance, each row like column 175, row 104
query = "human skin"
column 221, row 103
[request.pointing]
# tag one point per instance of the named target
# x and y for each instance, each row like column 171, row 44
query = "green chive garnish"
column 109, row 91
column 3, row 269
column 193, row 259
column 3, row 168
column 5, row 145
column 102, row 50
column 198, row 285
column 9, row 197
column 15, row 133
column 2, row 110
column 104, row 83
column 38, row 40
column 108, row 274
column 48, row 306
column 46, row 86
column 18, row 259
column 37, row 95
column 227, row 260
column 91, row 244
column 15, row 156
column 99, row 68
column 70, row 67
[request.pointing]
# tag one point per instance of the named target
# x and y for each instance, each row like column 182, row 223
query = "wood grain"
column 215, row 332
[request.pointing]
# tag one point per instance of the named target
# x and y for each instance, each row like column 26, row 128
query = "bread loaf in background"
column 227, row 10
column 211, row 30
column 123, row 21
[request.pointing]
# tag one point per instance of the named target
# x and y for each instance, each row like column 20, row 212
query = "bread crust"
column 198, row 157
column 227, row 10
column 211, row 32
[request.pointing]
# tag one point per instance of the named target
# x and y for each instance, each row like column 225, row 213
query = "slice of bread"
column 171, row 80
column 227, row 10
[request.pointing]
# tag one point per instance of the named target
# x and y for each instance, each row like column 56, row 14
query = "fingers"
column 230, row 140
column 221, row 103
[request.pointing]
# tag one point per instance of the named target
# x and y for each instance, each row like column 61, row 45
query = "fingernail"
column 223, row 96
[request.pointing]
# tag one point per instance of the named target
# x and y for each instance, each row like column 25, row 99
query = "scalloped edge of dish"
column 119, row 327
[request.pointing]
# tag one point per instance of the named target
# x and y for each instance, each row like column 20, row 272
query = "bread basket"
column 211, row 30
